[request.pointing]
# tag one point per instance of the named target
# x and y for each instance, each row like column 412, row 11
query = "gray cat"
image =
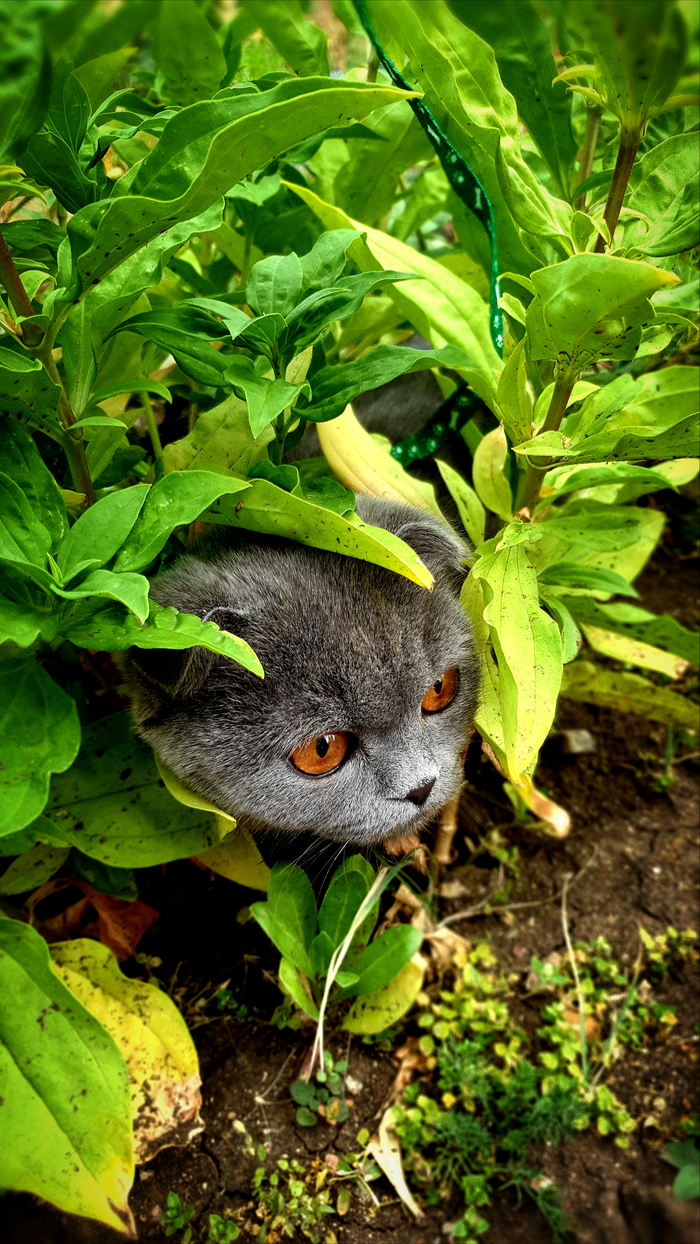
column 358, row 731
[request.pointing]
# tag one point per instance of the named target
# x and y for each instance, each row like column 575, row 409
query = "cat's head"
column 356, row 731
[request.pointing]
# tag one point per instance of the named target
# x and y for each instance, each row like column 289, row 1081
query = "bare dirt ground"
column 639, row 851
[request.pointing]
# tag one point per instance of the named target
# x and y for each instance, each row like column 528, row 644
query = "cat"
column 357, row 733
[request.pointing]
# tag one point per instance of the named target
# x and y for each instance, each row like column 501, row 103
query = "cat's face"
column 356, row 731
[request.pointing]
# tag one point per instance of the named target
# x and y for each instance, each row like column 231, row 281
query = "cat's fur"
column 345, row 645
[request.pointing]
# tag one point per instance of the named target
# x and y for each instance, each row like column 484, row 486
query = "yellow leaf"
column 635, row 652
column 152, row 1037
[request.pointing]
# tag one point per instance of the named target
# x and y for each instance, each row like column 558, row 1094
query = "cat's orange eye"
column 322, row 754
column 442, row 692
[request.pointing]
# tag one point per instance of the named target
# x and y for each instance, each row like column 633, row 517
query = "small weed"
column 488, row 1106
column 226, row 1001
column 221, row 1232
column 176, row 1217
column 289, row 1199
column 323, row 1099
column 666, row 948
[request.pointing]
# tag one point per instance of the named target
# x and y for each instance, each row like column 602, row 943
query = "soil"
column 633, row 852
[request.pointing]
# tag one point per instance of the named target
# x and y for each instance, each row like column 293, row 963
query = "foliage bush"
column 171, row 183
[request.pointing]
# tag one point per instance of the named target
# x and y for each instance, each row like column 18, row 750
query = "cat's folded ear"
column 183, row 671
column 435, row 542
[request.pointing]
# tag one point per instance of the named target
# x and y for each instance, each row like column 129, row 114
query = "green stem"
column 73, row 440
column 152, row 427
column 372, row 67
column 588, row 155
column 531, row 482
column 626, row 152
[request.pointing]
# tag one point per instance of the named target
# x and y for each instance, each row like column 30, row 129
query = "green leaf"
column 639, row 54
column 177, row 499
column 489, row 475
column 566, row 479
column 39, row 831
column 289, row 916
column 628, row 693
column 604, row 527
column 113, row 806
column 101, row 530
column 321, row 954
column 514, row 401
column 290, row 979
column 65, row 1081
column 340, row 905
column 682, row 1153
column 630, row 560
column 22, row 462
column 97, row 76
column 527, row 647
column 365, row 184
column 678, row 441
column 374, row 1012
column 108, row 301
column 202, row 152
column 384, row 958
column 334, row 387
column 591, row 307
column 41, row 735
column 440, row 306
column 636, row 623
column 523, row 51
column 464, row 91
column 301, row 43
column 686, row 1185
column 130, row 589
column 28, row 392
column 110, row 630
column 25, row 75
column 271, row 511
column 21, row 618
column 32, row 869
column 142, row 384
column 471, row 511
column 187, row 52
column 568, row 630
column 590, row 578
column 23, row 538
column 275, row 285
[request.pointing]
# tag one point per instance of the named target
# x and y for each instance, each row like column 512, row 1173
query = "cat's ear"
column 184, row 671
column 435, row 542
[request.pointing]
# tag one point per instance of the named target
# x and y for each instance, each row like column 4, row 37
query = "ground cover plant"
column 195, row 267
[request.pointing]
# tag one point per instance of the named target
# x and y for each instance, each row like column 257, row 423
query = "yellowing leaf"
column 488, row 474
column 66, row 1115
column 527, row 647
column 373, row 1012
column 236, row 858
column 634, row 651
column 152, row 1036
column 385, row 1148
column 239, row 859
column 365, row 466
column 628, row 693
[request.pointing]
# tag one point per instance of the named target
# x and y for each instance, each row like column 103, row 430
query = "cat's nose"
column 420, row 794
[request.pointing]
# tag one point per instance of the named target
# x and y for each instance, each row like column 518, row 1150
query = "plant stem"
column 152, row 427
column 531, row 482
column 9, row 276
column 626, row 152
column 73, row 442
column 588, row 154
column 574, row 969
